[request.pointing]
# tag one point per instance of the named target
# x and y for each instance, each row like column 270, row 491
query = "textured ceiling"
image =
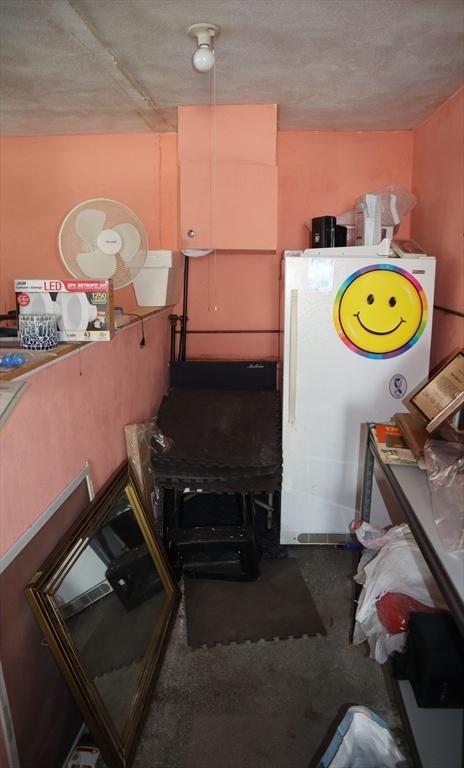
column 99, row 66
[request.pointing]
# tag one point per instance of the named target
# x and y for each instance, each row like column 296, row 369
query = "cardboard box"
column 84, row 757
column 83, row 308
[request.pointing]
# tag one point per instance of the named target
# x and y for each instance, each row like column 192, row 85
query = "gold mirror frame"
column 117, row 748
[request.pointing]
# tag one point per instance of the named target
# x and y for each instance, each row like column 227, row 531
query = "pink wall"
column 42, row 178
column 75, row 411
column 233, row 291
column 438, row 219
column 319, row 173
column 72, row 412
column 323, row 173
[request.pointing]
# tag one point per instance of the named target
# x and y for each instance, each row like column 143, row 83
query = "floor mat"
column 278, row 605
column 249, row 741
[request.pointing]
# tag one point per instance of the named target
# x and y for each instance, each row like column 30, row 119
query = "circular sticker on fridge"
column 398, row 386
column 380, row 311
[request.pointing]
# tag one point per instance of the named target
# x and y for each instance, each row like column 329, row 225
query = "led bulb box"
column 84, row 309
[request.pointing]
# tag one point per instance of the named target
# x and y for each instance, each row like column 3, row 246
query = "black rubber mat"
column 241, row 484
column 222, row 428
column 278, row 605
column 202, row 468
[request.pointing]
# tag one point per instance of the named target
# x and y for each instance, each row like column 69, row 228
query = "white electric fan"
column 101, row 239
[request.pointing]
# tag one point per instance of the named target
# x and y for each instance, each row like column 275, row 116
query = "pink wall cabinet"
column 228, row 133
column 230, row 206
column 228, row 177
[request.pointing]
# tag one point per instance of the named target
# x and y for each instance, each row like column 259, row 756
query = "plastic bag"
column 398, row 566
column 140, row 440
column 374, row 538
column 394, row 610
column 444, row 463
column 12, row 358
column 160, row 442
column 404, row 203
column 362, row 740
column 391, row 210
column 348, row 219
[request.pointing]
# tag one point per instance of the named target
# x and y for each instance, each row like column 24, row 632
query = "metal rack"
column 436, row 735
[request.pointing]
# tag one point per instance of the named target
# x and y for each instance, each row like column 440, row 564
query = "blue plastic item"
column 12, row 361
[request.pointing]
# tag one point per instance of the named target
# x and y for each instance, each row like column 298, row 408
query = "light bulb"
column 203, row 58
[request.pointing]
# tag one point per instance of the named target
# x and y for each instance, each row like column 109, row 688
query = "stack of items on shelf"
column 392, row 446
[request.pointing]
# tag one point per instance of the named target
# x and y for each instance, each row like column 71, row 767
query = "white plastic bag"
column 362, row 740
column 400, row 567
column 374, row 538
column 444, row 463
column 395, row 203
column 348, row 219
column 381, row 642
column 404, row 203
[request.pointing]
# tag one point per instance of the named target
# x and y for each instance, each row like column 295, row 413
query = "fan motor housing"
column 109, row 241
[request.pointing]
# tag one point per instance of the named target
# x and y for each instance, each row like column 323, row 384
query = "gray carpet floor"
column 265, row 704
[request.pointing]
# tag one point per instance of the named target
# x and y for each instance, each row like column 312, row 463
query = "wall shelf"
column 66, row 350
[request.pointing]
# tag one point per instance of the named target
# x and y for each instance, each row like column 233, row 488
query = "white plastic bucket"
column 159, row 284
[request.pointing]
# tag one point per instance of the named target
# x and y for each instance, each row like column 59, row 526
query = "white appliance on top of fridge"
column 357, row 334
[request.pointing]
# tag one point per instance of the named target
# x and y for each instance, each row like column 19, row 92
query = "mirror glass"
column 105, row 600
column 111, row 600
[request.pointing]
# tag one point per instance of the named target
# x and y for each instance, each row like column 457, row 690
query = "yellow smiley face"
column 380, row 311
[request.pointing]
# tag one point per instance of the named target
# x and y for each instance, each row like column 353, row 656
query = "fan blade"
column 130, row 241
column 97, row 265
column 89, row 224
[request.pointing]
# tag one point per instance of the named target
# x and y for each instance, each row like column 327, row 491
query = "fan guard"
column 102, row 239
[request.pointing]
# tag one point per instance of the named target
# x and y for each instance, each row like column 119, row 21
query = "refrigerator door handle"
column 292, row 356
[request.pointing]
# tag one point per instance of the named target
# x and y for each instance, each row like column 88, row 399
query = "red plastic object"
column 394, row 609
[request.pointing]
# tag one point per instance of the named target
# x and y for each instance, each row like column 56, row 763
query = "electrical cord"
column 134, row 314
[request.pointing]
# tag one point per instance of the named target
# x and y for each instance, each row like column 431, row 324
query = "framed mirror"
column 105, row 600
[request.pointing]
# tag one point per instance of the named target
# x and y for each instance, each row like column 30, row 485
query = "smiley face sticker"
column 380, row 311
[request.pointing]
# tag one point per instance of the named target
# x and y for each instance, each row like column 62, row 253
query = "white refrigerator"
column 357, row 332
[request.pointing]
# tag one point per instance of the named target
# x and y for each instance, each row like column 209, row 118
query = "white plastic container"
column 159, row 284
column 368, row 220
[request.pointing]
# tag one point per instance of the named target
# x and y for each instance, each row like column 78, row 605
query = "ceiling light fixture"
column 203, row 58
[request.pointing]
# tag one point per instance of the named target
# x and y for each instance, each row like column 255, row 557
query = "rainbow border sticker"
column 405, row 347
